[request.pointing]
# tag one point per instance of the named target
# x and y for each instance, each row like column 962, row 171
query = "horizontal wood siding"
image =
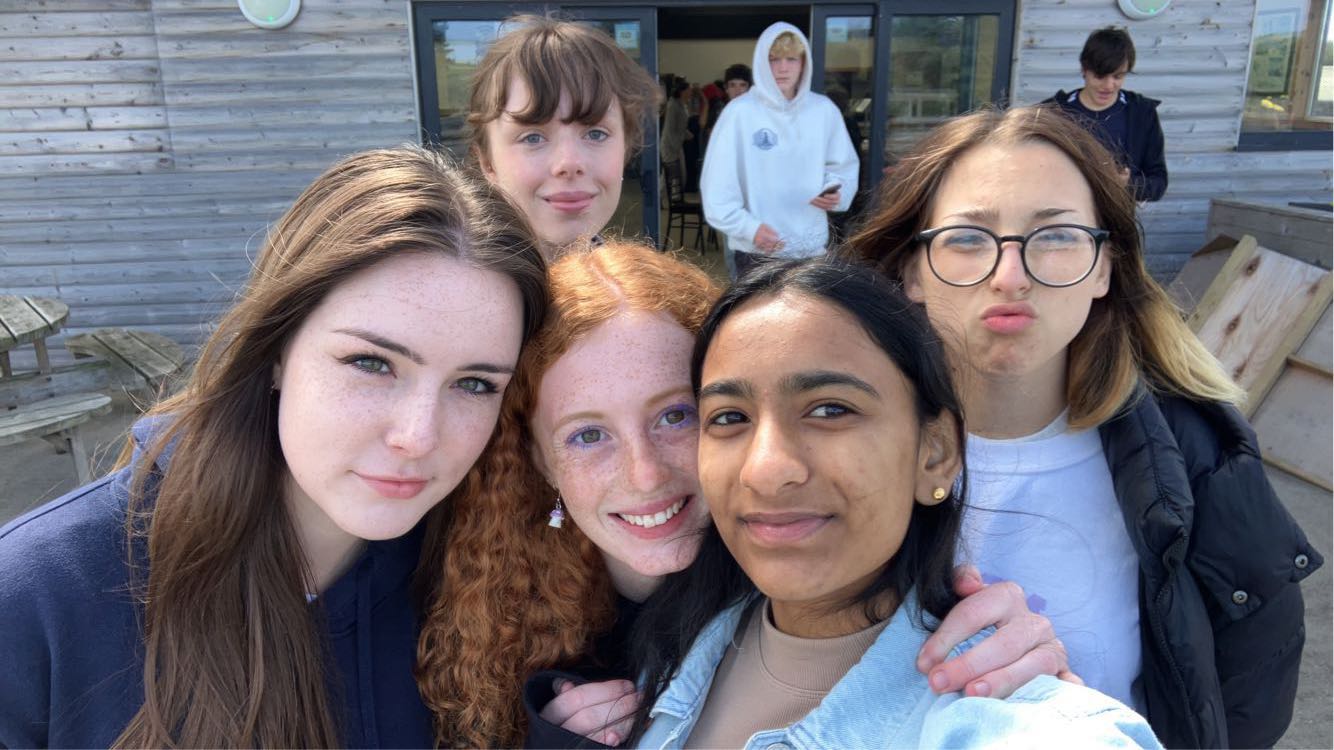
column 1194, row 58
column 147, row 145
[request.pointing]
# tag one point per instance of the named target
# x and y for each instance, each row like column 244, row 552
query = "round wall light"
column 269, row 14
column 1142, row 9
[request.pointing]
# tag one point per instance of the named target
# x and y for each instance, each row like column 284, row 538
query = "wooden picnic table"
column 29, row 319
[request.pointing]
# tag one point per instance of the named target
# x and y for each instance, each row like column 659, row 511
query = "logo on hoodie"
column 765, row 139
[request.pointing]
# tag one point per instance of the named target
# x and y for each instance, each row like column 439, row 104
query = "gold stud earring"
column 938, row 494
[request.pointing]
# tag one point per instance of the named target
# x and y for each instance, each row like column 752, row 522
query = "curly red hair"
column 513, row 596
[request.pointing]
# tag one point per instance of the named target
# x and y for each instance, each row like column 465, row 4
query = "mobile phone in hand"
column 830, row 189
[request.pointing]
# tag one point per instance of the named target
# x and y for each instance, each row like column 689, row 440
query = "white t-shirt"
column 1042, row 513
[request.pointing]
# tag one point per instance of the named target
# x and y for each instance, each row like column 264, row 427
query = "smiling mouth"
column 655, row 519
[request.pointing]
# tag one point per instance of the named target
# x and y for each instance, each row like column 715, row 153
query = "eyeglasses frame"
column 1099, row 236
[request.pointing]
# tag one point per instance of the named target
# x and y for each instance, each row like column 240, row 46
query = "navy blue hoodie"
column 71, row 652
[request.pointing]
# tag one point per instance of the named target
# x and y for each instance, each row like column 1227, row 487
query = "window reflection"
column 940, row 66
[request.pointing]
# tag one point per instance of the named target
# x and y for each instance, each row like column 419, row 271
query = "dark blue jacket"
column 71, row 652
column 1142, row 150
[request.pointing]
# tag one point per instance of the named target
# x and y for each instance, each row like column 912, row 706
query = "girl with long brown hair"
column 243, row 578
column 1133, row 504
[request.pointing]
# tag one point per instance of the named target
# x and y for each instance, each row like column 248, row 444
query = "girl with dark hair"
column 1140, row 519
column 598, row 437
column 830, row 458
column 556, row 112
column 242, row 580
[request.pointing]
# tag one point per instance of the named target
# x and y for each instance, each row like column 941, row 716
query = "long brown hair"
column 232, row 655
column 1134, row 334
column 557, row 58
column 518, row 596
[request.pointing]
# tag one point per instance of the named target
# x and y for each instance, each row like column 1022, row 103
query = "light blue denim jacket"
column 884, row 702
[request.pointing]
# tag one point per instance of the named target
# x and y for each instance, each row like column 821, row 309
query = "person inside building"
column 781, row 158
column 1111, row 474
column 1125, row 122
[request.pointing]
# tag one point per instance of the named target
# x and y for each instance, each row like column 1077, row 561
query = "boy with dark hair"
column 1125, row 122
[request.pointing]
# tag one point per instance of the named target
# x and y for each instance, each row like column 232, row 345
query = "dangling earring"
column 557, row 514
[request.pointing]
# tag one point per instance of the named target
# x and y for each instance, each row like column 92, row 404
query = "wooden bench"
column 56, row 419
column 142, row 361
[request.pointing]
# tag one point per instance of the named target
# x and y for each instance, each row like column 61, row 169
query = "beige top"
column 770, row 680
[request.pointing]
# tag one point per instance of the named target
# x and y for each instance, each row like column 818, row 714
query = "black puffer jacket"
column 1221, row 612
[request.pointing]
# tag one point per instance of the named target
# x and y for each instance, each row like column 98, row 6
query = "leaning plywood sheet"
column 1194, row 278
column 1293, row 423
column 1319, row 344
column 1257, row 310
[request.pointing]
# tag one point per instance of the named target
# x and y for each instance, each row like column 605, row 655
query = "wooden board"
column 1199, row 271
column 1301, row 233
column 1293, row 423
column 24, row 319
column 150, row 358
column 1318, row 344
column 51, row 415
column 1260, row 307
column 30, row 387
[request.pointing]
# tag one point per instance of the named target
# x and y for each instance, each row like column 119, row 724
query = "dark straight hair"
column 687, row 601
column 1106, row 50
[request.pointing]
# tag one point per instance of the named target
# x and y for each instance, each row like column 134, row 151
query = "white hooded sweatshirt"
column 770, row 155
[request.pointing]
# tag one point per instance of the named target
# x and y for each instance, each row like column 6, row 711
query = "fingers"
column 614, row 734
column 572, row 700
column 990, row 605
column 1023, row 646
column 967, row 581
column 601, row 711
column 1046, row 658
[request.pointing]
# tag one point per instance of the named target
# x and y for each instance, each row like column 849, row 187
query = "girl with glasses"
column 1112, row 476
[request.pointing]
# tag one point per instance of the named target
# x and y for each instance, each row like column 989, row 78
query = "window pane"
column 1288, row 88
column 628, row 221
column 941, row 66
column 1322, row 103
column 849, row 52
column 459, row 47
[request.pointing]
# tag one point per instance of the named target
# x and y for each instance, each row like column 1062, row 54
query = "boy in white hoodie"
column 779, row 158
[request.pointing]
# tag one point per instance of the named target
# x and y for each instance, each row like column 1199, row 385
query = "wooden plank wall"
column 145, row 145
column 1194, row 58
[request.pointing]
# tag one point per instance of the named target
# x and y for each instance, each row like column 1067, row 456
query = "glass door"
column 636, row 32
column 450, row 40
column 936, row 59
column 843, row 57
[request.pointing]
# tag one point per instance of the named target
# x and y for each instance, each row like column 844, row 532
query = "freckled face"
column 390, row 389
column 616, row 432
column 565, row 176
column 810, row 456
